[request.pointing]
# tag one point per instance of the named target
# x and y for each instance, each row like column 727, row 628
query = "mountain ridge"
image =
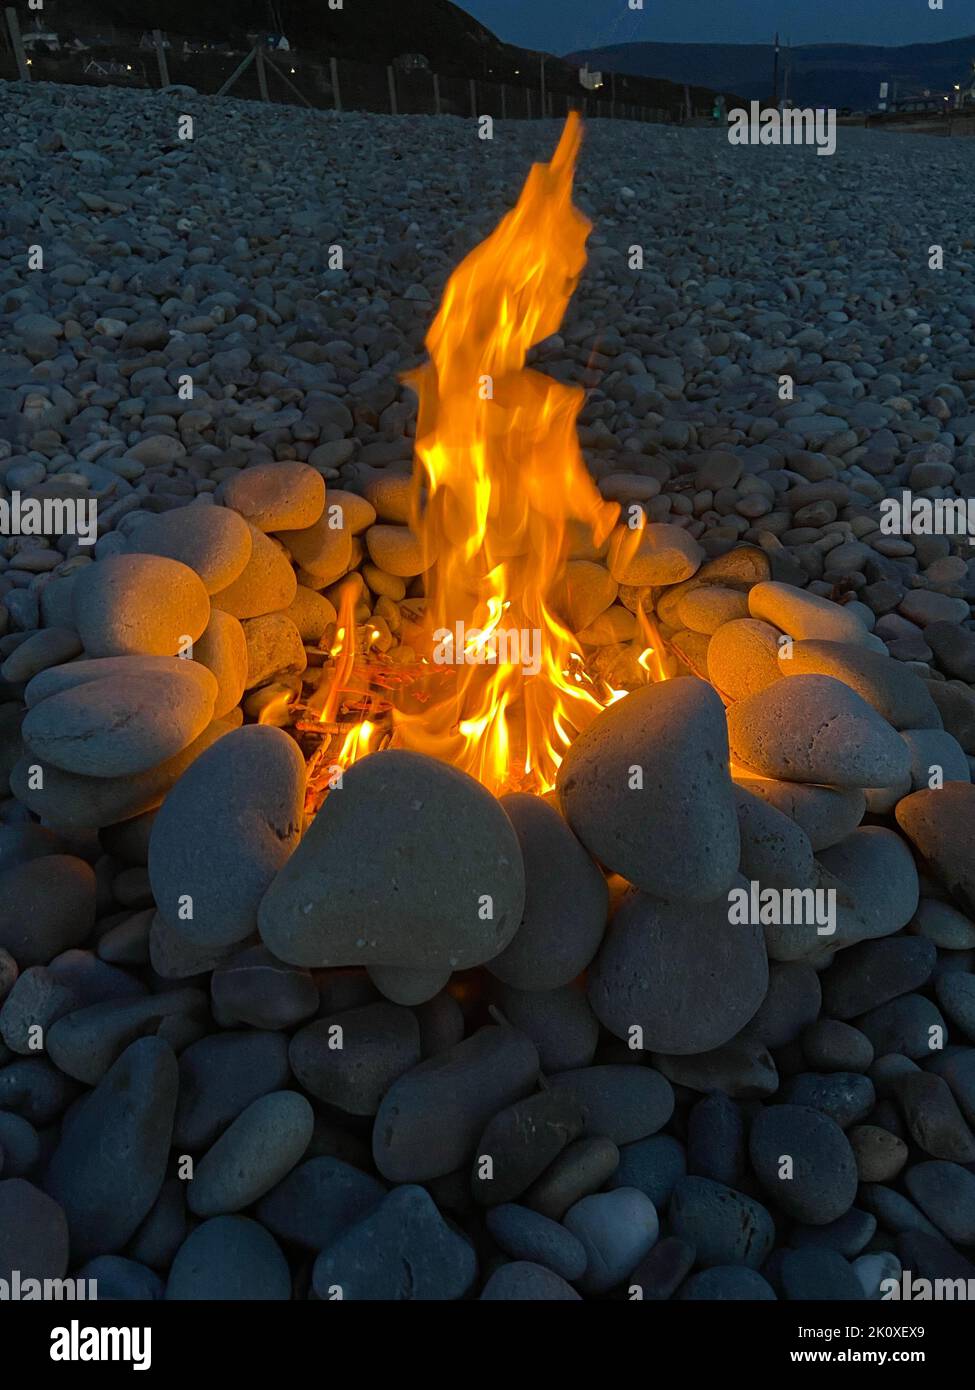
column 821, row 74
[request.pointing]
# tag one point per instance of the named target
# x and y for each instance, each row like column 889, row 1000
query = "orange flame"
column 498, row 478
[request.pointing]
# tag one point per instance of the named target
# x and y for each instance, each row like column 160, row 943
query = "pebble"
column 276, row 496
column 402, row 1251
column 212, row 541
column 823, row 1182
column 653, row 1165
column 657, row 553
column 716, row 1145
column 524, row 1281
column 222, row 650
column 229, row 1258
column 848, row 1235
column 311, row 613
column 266, row 584
column 943, row 925
column 816, row 729
column 826, row 814
column 818, row 1275
column 877, row 868
column 728, row 1283
column 254, row 988
column 128, row 604
column 879, row 1155
column 724, row 1226
column 646, row 789
column 935, row 755
column 775, row 851
column 258, row 1148
column 955, row 993
column 118, row 727
column 933, row 1118
column 442, row 850
column 122, row 1279
column 521, row 1141
column 829, row 1045
column 351, row 1059
column 220, row 1076
column 617, row 1230
column 845, row 1097
column 20, row 1145
column 464, row 1087
column 566, row 901
column 49, row 647
column 85, row 1042
column 622, row 1103
column 890, row 687
column 317, row 1201
column 658, row 1277
column 224, row 832
column 525, row 1235
column 274, row 649
column 109, row 1164
column 583, row 592
column 904, row 1026
column 679, row 974
column 559, row 1022
column 61, row 891
column 57, row 680
column 945, row 1192
column 874, row 972
column 954, row 648
column 941, row 827
column 398, row 551
column 806, row 616
column 582, row 1167
column 710, row 607
column 743, row 658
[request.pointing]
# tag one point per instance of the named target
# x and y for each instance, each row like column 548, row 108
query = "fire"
column 499, row 480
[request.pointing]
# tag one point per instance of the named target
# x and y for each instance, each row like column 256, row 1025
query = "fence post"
column 473, row 98
column 241, row 67
column 436, row 95
column 287, row 82
column 528, row 103
column 13, row 24
column 261, row 74
column 391, row 82
column 504, row 102
column 157, row 39
column 333, row 67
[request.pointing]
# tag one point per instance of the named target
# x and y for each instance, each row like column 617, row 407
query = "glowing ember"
column 499, row 479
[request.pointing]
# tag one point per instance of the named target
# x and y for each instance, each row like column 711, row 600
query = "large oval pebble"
column 138, row 603
column 441, row 886
column 224, row 831
column 646, row 789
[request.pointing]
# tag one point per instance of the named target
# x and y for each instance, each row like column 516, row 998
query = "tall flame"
column 500, row 464
column 498, row 479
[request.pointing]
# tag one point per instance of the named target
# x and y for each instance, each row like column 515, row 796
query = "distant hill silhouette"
column 822, row 74
column 370, row 30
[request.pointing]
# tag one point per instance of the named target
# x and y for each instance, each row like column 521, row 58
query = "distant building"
column 920, row 103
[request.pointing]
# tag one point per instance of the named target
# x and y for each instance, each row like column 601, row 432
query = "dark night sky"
column 559, row 26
